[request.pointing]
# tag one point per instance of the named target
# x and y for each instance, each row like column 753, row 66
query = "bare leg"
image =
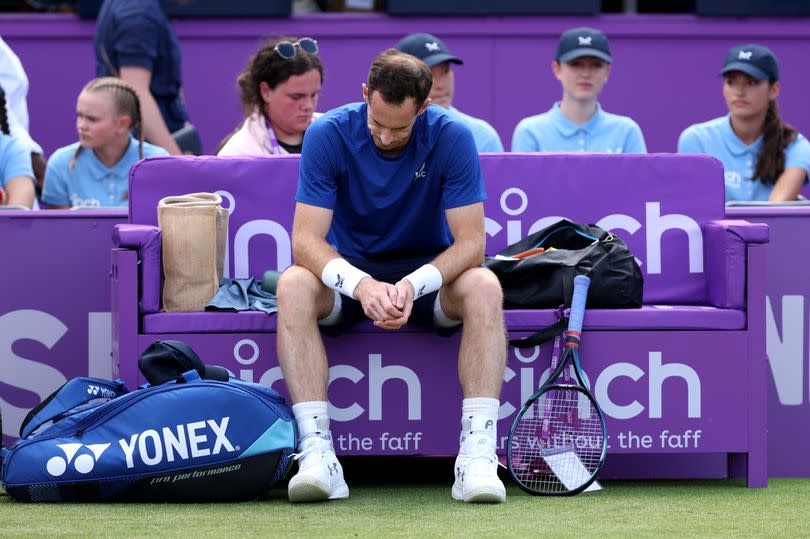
column 476, row 298
column 302, row 300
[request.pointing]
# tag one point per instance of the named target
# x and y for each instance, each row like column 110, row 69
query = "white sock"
column 312, row 418
column 479, row 416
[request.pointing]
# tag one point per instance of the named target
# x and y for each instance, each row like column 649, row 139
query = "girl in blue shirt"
column 93, row 172
column 763, row 158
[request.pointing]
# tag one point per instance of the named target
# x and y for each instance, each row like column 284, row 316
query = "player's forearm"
column 465, row 253
column 312, row 252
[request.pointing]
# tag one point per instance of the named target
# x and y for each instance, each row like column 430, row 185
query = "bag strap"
column 73, row 393
column 539, row 337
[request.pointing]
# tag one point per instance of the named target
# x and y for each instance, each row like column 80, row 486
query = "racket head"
column 575, row 445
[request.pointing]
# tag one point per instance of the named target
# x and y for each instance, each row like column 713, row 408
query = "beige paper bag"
column 194, row 229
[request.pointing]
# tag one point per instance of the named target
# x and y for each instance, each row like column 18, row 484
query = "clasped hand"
column 388, row 305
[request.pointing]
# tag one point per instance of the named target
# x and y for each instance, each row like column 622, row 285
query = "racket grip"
column 581, row 284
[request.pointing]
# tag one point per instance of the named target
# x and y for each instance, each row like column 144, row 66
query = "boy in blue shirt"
column 763, row 158
column 432, row 50
column 578, row 123
column 389, row 226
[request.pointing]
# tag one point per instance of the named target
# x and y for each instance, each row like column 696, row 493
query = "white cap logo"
column 432, row 47
column 744, row 55
column 584, row 41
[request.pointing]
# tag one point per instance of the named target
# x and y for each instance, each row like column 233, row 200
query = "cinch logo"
column 102, row 392
column 744, row 55
column 584, row 41
column 181, row 443
column 83, row 464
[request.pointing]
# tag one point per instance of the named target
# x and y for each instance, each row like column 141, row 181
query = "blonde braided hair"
column 126, row 101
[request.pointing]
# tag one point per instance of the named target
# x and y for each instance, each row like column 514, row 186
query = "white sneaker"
column 320, row 475
column 477, row 472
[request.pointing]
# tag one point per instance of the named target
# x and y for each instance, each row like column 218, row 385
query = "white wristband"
column 425, row 280
column 339, row 275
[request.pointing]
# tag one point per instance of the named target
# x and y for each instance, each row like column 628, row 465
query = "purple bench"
column 681, row 379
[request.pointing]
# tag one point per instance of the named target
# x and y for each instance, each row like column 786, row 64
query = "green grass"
column 716, row 508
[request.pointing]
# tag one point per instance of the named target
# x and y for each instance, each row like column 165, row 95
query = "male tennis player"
column 389, row 226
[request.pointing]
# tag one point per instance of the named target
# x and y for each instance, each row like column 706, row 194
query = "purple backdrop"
column 664, row 76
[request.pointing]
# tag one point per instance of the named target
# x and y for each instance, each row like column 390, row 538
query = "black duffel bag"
column 546, row 280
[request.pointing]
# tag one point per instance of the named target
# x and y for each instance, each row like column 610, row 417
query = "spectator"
column 389, row 226
column 578, row 123
column 93, row 172
column 763, row 158
column 14, row 82
column 16, row 174
column 134, row 41
column 432, row 50
column 279, row 91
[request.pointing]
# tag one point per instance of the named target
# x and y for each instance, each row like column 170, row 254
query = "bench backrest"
column 656, row 203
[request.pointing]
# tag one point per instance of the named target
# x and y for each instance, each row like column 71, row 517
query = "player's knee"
column 486, row 296
column 297, row 288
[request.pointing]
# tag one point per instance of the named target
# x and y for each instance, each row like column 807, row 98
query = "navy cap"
column 163, row 361
column 428, row 48
column 752, row 59
column 579, row 42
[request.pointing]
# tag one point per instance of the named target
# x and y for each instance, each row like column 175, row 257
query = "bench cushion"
column 649, row 317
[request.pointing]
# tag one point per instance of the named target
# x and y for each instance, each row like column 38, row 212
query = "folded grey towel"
column 242, row 295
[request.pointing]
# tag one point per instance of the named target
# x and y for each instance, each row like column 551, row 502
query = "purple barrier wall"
column 664, row 76
column 55, row 307
column 661, row 227
column 786, row 302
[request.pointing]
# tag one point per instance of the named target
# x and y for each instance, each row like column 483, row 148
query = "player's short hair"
column 398, row 76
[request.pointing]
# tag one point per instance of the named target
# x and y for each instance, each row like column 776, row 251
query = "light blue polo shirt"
column 552, row 131
column 389, row 208
column 15, row 159
column 717, row 138
column 486, row 138
column 91, row 184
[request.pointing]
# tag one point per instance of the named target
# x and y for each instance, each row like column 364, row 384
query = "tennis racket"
column 557, row 444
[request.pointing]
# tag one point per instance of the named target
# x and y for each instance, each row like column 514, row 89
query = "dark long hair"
column 267, row 66
column 3, row 114
column 776, row 137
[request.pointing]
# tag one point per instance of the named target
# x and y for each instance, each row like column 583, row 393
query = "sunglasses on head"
column 287, row 49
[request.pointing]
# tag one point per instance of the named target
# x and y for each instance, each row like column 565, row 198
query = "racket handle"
column 581, row 284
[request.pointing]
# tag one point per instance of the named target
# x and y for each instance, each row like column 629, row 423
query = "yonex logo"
column 744, row 55
column 100, row 391
column 420, row 173
column 333, row 468
column 339, row 282
column 432, row 47
column 584, row 41
column 179, row 443
column 83, row 463
column 489, row 424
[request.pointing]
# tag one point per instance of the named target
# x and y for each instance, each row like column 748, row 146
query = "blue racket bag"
column 188, row 439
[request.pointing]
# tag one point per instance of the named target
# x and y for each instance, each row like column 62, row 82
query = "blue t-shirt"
column 15, row 159
column 718, row 139
column 552, row 131
column 91, row 184
column 389, row 207
column 137, row 33
column 486, row 138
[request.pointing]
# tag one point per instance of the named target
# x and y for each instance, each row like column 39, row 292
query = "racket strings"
column 557, row 443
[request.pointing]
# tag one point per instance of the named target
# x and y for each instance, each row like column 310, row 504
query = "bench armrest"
column 726, row 263
column 146, row 240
